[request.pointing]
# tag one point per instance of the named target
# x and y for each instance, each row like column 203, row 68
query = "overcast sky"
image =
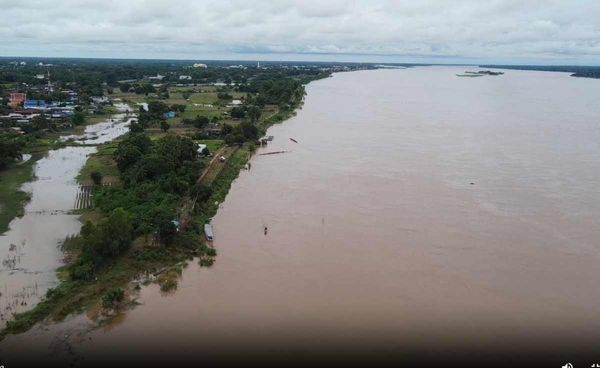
column 507, row 31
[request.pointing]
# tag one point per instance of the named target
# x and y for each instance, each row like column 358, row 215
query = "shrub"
column 112, row 298
column 82, row 270
column 96, row 177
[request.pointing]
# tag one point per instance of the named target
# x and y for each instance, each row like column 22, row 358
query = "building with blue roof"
column 35, row 104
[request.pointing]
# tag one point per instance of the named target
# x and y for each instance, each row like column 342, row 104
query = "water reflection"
column 30, row 249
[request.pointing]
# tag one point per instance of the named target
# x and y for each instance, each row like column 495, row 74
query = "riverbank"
column 12, row 197
column 144, row 262
column 392, row 248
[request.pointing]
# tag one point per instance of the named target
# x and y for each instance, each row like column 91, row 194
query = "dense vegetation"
column 11, row 147
column 155, row 176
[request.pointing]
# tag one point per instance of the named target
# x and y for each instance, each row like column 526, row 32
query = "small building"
column 35, row 105
column 16, row 99
column 185, row 77
column 213, row 129
column 198, row 65
column 208, row 231
column 100, row 100
column 158, row 77
column 169, row 115
column 201, row 148
column 18, row 130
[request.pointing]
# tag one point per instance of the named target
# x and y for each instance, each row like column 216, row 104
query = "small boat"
column 208, row 231
column 469, row 75
column 293, row 140
column 271, row 153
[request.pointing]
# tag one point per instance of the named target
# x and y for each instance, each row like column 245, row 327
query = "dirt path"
column 208, row 175
column 216, row 165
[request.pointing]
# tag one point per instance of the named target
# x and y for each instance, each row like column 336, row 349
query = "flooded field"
column 416, row 210
column 30, row 250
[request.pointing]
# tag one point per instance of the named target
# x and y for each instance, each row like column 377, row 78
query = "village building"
column 16, row 99
column 201, row 148
column 35, row 105
column 158, row 77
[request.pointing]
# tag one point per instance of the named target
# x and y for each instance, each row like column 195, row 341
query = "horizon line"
column 141, row 58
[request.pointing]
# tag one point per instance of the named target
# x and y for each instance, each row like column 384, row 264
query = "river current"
column 417, row 208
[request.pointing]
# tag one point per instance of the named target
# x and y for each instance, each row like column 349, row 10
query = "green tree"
column 157, row 107
column 10, row 149
column 78, row 118
column 112, row 236
column 200, row 122
column 40, row 122
column 126, row 155
column 113, row 298
column 253, row 113
column 96, row 177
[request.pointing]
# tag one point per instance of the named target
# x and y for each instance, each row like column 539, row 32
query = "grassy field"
column 213, row 145
column 102, row 162
column 202, row 101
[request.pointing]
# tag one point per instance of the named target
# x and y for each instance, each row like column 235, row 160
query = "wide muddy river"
column 417, row 209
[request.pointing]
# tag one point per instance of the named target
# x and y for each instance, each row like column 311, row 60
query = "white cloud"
column 546, row 30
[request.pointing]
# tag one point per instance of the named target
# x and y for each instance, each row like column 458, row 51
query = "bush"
column 111, row 237
column 82, row 270
column 96, row 177
column 113, row 298
column 200, row 122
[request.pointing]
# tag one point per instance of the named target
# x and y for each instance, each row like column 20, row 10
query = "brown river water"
column 418, row 209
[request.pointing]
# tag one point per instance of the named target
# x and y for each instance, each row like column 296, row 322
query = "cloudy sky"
column 507, row 31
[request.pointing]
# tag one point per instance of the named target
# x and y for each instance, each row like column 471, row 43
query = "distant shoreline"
column 576, row 71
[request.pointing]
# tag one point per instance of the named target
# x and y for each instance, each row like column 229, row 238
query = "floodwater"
column 417, row 210
column 30, row 249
